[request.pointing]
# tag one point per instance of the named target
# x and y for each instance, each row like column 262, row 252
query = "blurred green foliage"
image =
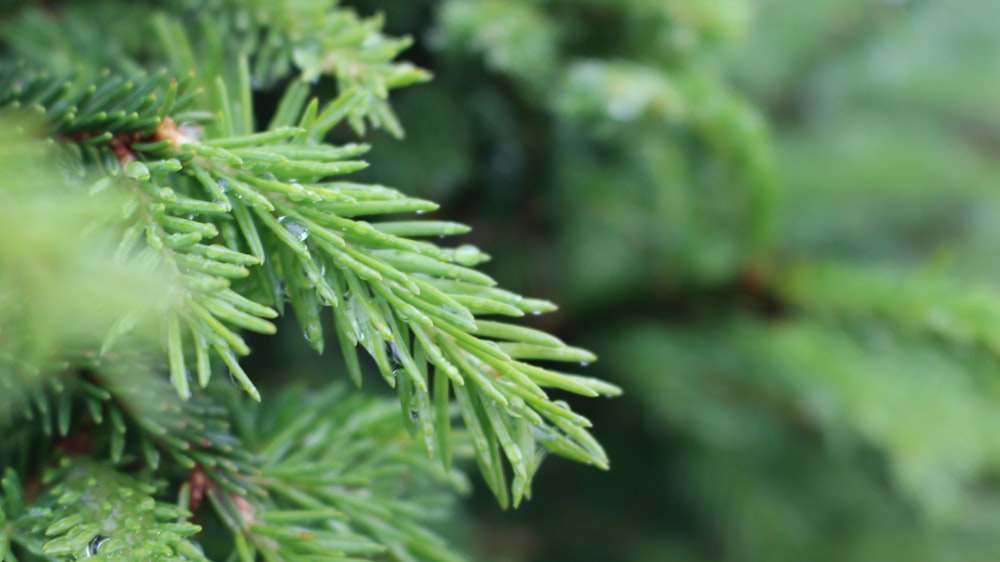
column 44, row 280
column 775, row 222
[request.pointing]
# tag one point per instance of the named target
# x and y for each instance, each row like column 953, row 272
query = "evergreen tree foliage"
column 173, row 183
column 773, row 219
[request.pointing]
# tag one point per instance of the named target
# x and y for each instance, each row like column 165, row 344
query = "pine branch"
column 343, row 480
column 90, row 510
column 241, row 221
column 305, row 39
column 516, row 38
column 783, row 375
column 121, row 409
column 324, row 39
column 921, row 304
column 619, row 101
column 49, row 273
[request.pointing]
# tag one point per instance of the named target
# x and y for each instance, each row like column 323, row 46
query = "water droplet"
column 190, row 130
column 414, row 415
column 95, row 544
column 393, row 355
column 584, row 364
column 352, row 317
column 420, row 211
column 223, row 184
column 268, row 176
column 137, row 171
column 297, row 229
column 307, row 56
column 536, row 313
column 279, row 291
column 467, row 255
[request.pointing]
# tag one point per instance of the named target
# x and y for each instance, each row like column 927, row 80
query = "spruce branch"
column 343, row 481
column 240, row 222
column 925, row 305
column 323, row 39
column 629, row 101
column 121, row 409
column 515, row 37
column 49, row 273
column 90, row 510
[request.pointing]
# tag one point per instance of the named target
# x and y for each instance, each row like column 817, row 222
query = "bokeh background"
column 775, row 221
